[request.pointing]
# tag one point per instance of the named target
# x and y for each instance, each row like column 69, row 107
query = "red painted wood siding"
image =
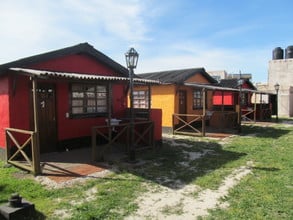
column 76, row 63
column 4, row 108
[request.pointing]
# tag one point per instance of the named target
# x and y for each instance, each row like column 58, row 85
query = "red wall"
column 4, row 109
column 20, row 103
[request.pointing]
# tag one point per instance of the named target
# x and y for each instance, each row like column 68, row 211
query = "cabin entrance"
column 47, row 117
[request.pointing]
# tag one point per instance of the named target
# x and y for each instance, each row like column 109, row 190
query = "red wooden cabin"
column 60, row 96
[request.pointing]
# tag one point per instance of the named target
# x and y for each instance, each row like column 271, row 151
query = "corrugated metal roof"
column 79, row 76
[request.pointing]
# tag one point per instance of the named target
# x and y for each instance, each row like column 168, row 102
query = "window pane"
column 77, row 110
column 77, row 94
column 77, row 102
column 101, row 88
column 91, row 109
column 90, row 95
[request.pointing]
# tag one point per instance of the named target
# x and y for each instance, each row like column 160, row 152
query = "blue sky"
column 168, row 34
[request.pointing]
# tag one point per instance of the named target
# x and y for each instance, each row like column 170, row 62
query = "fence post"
column 7, row 147
column 35, row 154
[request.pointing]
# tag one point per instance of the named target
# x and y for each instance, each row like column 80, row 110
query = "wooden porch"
column 23, row 149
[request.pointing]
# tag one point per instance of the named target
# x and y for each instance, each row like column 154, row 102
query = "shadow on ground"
column 263, row 131
column 176, row 166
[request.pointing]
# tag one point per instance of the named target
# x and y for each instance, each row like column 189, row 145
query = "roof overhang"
column 219, row 88
column 44, row 74
column 210, row 87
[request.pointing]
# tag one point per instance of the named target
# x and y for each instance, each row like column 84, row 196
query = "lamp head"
column 131, row 57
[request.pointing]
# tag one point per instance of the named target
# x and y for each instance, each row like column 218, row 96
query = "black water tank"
column 289, row 52
column 278, row 53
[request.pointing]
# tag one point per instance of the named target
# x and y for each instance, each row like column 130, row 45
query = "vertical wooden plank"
column 254, row 106
column 110, row 92
column 260, row 109
column 204, row 112
column 149, row 101
column 35, row 138
column 7, row 147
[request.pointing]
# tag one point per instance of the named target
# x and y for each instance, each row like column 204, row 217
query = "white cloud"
column 187, row 55
column 31, row 27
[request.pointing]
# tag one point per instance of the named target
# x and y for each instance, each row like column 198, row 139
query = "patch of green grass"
column 114, row 199
column 268, row 192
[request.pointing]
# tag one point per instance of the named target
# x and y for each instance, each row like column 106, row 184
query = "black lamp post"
column 131, row 57
column 277, row 87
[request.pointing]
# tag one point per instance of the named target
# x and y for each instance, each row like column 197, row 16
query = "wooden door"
column 47, row 117
column 182, row 104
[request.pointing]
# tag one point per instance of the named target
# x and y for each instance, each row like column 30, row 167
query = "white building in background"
column 218, row 75
column 281, row 71
column 222, row 74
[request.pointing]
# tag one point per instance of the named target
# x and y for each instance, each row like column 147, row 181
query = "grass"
column 265, row 194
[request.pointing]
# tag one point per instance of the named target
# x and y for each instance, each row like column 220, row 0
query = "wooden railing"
column 20, row 157
column 110, row 134
column 185, row 125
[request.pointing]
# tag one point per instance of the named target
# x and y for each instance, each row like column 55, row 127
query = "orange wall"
column 162, row 97
column 166, row 97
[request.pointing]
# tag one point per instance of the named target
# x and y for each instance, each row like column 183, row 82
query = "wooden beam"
column 36, row 139
column 204, row 112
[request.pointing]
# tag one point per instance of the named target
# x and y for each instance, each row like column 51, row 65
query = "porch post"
column 110, row 110
column 36, row 141
column 149, row 101
column 254, row 115
column 204, row 112
column 261, row 112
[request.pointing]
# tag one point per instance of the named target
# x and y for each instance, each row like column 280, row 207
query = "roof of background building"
column 233, row 83
column 177, row 76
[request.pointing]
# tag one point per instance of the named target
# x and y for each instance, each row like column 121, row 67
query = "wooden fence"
column 120, row 133
column 22, row 153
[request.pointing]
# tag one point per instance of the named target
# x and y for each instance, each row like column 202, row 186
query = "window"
column 88, row 99
column 223, row 98
column 140, row 99
column 197, row 99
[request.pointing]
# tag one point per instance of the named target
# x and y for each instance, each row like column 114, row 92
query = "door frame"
column 54, row 137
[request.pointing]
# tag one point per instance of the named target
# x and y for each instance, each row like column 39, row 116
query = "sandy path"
column 166, row 203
